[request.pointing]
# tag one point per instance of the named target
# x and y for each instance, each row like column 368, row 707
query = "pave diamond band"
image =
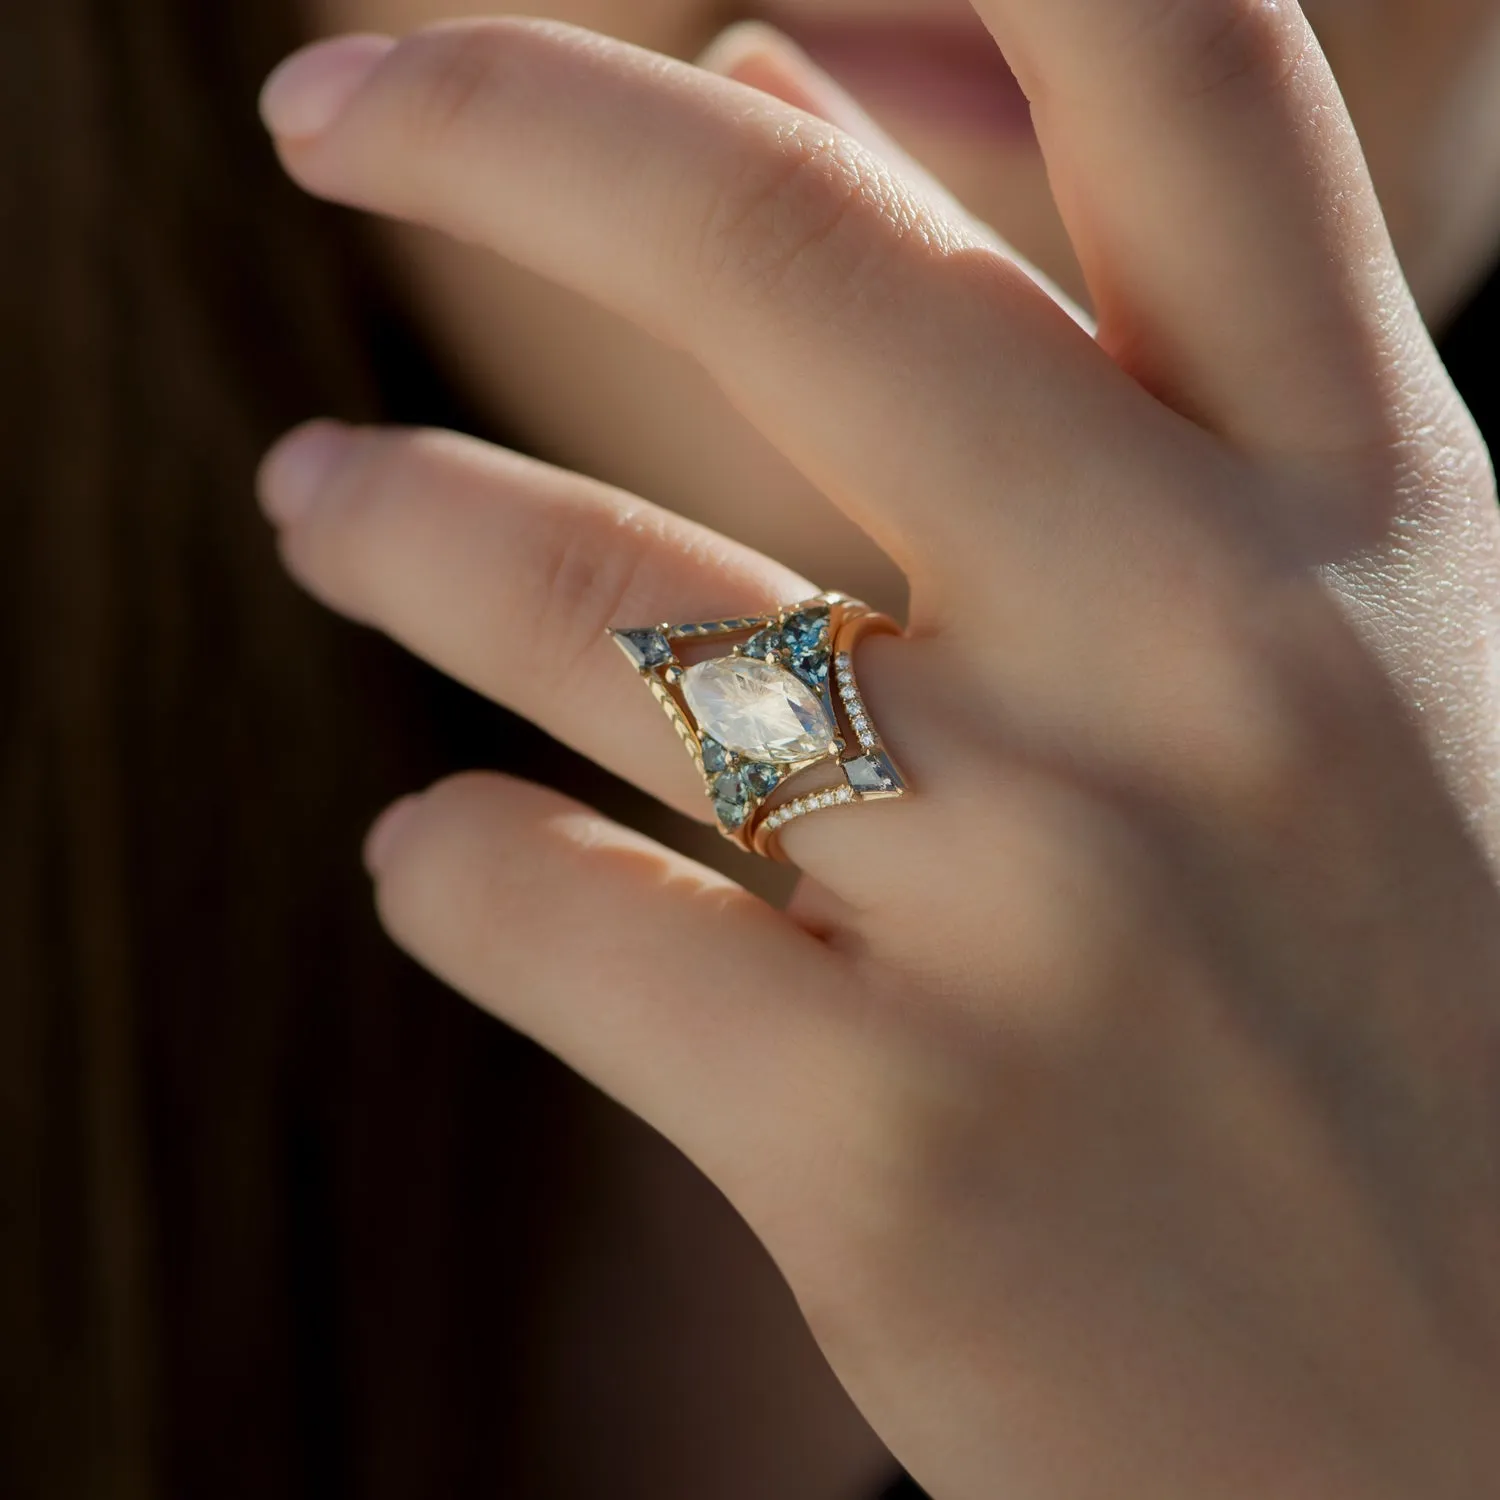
column 759, row 700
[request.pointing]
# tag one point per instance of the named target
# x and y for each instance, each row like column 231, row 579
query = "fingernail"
column 307, row 92
column 297, row 469
column 385, row 832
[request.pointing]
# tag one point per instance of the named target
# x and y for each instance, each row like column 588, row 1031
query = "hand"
column 1122, row 1106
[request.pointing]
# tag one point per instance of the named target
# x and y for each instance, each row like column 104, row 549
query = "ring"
column 781, row 701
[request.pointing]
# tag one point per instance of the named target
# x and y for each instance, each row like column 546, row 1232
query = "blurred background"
column 280, row 1215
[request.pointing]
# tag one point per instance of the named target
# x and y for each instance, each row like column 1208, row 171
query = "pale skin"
column 1120, row 1107
column 1422, row 78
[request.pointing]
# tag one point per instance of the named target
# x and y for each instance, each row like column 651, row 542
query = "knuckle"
column 1073, row 916
column 1431, row 453
column 1086, row 933
column 813, row 195
column 1243, row 50
column 1308, row 699
column 588, row 580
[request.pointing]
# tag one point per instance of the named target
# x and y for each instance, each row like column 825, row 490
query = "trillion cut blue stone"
column 763, row 644
column 714, row 756
column 806, row 633
column 731, row 799
column 762, row 778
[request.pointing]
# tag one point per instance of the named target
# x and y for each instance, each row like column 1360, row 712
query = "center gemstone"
column 757, row 709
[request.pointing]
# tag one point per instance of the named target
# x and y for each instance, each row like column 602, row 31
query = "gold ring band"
column 781, row 701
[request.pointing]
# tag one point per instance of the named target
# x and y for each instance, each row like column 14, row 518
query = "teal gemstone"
column 647, row 648
column 731, row 799
column 761, row 778
column 763, row 644
column 806, row 633
column 805, row 636
column 715, row 757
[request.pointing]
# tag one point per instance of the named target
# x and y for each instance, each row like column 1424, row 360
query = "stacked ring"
column 776, row 723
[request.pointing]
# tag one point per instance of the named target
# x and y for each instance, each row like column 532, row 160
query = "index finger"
column 902, row 364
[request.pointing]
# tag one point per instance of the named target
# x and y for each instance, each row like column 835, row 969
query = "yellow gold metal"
column 812, row 641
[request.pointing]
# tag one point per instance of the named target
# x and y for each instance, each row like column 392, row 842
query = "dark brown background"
column 269, row 1194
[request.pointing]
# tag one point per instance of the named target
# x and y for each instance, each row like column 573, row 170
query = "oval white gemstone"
column 757, row 709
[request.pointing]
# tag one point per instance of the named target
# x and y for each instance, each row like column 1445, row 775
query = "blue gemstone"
column 715, row 757
column 872, row 773
column 648, row 648
column 806, row 633
column 761, row 778
column 731, row 799
column 763, row 643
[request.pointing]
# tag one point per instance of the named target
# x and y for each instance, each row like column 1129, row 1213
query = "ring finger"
column 505, row 572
